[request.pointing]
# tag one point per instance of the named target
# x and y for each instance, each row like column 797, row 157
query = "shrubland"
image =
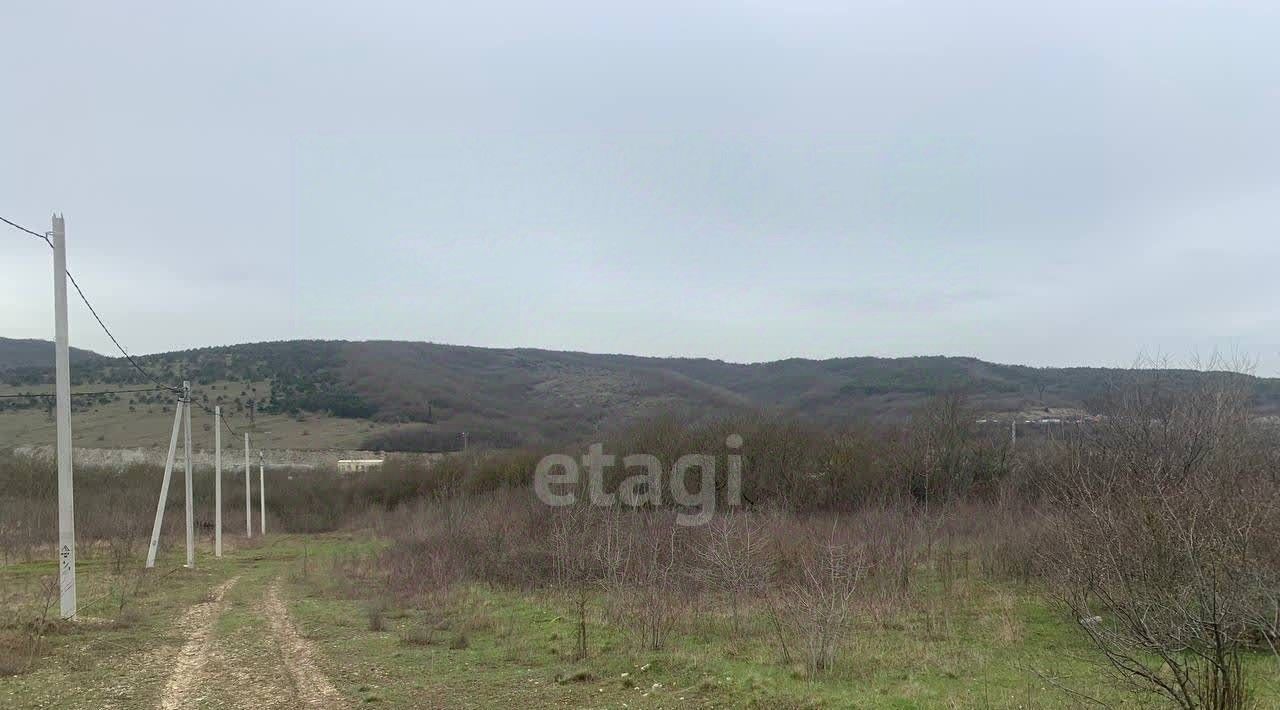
column 1151, row 530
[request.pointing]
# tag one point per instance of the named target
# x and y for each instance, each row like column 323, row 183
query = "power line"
column 159, row 385
column 81, row 394
column 220, row 415
column 96, row 317
column 67, row 540
column 35, row 395
column 120, row 347
column 37, row 235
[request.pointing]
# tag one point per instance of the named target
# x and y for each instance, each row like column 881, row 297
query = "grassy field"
column 121, row 424
column 146, row 640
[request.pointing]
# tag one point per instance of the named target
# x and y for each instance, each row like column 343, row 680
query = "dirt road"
column 197, row 626
column 242, row 650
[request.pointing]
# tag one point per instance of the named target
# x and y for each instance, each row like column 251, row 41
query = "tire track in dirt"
column 197, row 625
column 313, row 688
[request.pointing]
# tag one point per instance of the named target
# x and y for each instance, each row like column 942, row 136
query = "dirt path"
column 314, row 689
column 197, row 625
column 236, row 665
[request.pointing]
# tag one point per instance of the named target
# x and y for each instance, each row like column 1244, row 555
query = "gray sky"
column 1042, row 183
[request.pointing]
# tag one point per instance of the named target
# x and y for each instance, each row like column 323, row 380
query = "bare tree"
column 735, row 559
column 942, row 456
column 576, row 571
column 1166, row 540
column 819, row 609
column 659, row 592
column 613, row 552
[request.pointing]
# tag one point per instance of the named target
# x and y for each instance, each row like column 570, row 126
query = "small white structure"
column 356, row 465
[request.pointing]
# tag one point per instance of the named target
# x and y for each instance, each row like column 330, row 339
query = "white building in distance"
column 357, row 465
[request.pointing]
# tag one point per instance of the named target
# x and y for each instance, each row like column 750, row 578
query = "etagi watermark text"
column 557, row 481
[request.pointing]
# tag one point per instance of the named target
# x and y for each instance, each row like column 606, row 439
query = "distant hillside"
column 506, row 397
column 36, row 353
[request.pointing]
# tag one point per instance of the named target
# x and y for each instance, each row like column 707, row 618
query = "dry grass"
column 16, row 653
column 115, row 425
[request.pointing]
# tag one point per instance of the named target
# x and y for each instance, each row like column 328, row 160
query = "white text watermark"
column 557, row 481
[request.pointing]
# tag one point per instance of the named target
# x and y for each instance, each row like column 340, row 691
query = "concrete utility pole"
column 262, row 491
column 62, row 367
column 248, row 492
column 186, row 443
column 217, row 481
column 164, row 486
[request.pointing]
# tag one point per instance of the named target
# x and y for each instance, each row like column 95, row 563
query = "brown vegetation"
column 1156, row 526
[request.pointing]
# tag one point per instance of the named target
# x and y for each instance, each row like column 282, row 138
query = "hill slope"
column 15, row 353
column 505, row 397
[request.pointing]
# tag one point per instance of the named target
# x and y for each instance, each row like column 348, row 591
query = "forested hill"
column 512, row 396
column 15, row 353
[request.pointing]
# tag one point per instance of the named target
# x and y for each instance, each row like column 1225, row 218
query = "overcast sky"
column 1042, row 183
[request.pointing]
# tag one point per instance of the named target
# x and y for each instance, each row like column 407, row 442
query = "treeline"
column 522, row 397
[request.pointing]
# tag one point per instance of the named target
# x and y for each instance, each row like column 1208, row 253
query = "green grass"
column 86, row 664
column 977, row 644
column 520, row 648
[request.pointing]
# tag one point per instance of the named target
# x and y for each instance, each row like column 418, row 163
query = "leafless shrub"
column 124, row 590
column 819, row 609
column 14, row 656
column 659, row 587
column 576, row 571
column 1007, row 545
column 50, row 593
column 735, row 559
column 124, row 538
column 613, row 550
column 1166, row 536
column 376, row 614
column 18, row 651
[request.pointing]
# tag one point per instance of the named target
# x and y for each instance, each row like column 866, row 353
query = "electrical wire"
column 97, row 317
column 133, row 362
column 35, row 395
column 81, row 394
column 160, row 386
column 37, row 235
column 120, row 347
column 220, row 416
